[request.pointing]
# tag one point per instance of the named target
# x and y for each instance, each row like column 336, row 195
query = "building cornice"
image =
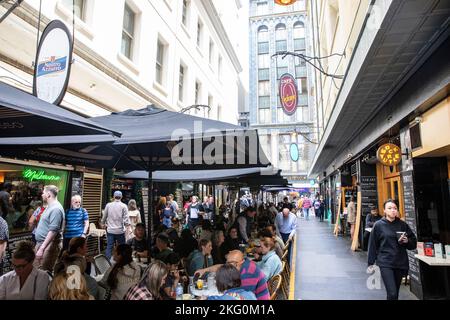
column 279, row 15
column 221, row 32
column 31, row 16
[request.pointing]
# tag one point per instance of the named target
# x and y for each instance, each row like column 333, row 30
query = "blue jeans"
column 111, row 240
column 306, row 212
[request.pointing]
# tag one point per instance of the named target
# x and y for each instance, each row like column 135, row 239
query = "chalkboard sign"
column 77, row 186
column 410, row 219
column 369, row 194
column 12, row 244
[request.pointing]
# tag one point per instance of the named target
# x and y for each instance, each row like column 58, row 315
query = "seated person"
column 231, row 241
column 123, row 275
column 139, row 243
column 228, row 282
column 200, row 258
column 76, row 255
column 25, row 282
column 267, row 260
column 173, row 278
column 162, row 244
column 149, row 287
column 266, row 233
column 186, row 244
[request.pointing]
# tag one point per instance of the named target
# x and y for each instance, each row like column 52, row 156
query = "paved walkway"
column 327, row 269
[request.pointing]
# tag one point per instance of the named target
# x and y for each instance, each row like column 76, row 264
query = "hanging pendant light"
column 285, row 2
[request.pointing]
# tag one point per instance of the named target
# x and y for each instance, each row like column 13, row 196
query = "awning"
column 22, row 115
column 200, row 175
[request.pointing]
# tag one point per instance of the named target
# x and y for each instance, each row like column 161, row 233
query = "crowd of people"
column 190, row 240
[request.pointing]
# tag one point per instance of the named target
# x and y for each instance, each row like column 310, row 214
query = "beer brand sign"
column 288, row 93
column 53, row 61
column 389, row 154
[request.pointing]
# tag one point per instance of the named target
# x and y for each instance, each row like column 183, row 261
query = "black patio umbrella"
column 156, row 139
column 24, row 116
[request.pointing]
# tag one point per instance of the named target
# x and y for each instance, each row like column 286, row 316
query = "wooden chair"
column 274, row 285
column 285, row 274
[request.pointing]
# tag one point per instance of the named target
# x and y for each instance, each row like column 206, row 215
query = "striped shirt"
column 75, row 219
column 253, row 279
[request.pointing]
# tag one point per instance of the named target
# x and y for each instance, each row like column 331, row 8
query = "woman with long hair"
column 124, row 274
column 149, row 288
column 59, row 290
column 269, row 262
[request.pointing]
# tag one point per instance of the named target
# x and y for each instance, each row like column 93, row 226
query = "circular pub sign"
column 295, row 155
column 53, row 59
column 389, row 154
column 288, row 93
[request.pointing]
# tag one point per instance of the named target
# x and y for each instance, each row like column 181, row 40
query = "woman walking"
column 389, row 240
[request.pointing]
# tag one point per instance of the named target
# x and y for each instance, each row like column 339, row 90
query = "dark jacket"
column 384, row 248
column 371, row 219
column 185, row 246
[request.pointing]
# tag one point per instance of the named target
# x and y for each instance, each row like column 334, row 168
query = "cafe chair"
column 274, row 285
column 101, row 264
column 97, row 233
column 285, row 274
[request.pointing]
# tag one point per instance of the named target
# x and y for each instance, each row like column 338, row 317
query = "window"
column 299, row 30
column 199, row 33
column 281, row 71
column 184, row 14
column 211, row 52
column 281, row 45
column 284, row 158
column 181, row 83
column 264, row 88
column 263, row 74
column 263, row 61
column 299, row 61
column 263, row 40
column 280, row 36
column 264, row 116
column 264, row 102
column 261, row 8
column 159, row 62
column 302, row 86
column 79, row 7
column 210, row 104
column 219, row 67
column 198, row 88
column 128, row 32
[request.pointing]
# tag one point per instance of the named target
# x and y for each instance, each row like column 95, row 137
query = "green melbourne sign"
column 32, row 174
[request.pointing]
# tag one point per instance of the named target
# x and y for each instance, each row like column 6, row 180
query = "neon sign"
column 31, row 174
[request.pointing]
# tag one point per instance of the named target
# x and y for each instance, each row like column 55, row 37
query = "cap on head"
column 117, row 194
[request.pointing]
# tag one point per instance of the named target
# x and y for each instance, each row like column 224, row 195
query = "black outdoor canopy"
column 23, row 115
column 198, row 175
column 147, row 139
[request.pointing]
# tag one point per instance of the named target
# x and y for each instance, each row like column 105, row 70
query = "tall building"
column 130, row 53
column 275, row 28
column 384, row 126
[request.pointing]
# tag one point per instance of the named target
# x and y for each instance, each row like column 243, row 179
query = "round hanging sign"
column 288, row 93
column 52, row 64
column 295, row 155
column 389, row 154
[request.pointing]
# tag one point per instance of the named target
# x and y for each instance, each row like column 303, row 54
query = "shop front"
column 27, row 181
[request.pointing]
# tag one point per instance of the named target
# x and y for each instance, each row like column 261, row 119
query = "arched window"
column 299, row 30
column 263, row 40
column 281, row 37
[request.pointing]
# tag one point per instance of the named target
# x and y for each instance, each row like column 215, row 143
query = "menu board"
column 12, row 244
column 369, row 194
column 77, row 186
column 410, row 219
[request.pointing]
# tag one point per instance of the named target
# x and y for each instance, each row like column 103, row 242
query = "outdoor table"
column 211, row 289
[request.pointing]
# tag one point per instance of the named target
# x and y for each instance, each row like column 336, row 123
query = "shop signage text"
column 53, row 62
column 288, row 93
column 389, row 154
column 31, row 175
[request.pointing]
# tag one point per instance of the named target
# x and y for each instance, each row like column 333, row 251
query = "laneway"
column 326, row 268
